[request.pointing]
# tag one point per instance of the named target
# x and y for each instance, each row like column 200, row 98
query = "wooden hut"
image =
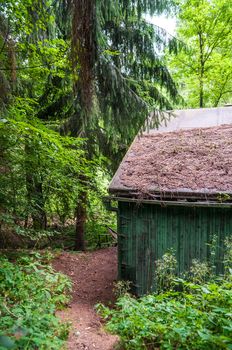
column 174, row 190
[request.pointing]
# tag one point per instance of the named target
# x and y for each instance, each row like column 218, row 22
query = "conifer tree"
column 119, row 76
column 115, row 76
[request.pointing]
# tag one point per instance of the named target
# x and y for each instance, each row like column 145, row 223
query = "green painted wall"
column 147, row 231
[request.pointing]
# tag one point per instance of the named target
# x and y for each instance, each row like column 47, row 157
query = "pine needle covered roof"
column 185, row 157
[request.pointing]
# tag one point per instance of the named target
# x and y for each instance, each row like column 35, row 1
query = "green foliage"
column 199, row 271
column 121, row 288
column 228, row 257
column 30, row 293
column 121, row 71
column 166, row 270
column 99, row 218
column 203, row 69
column 97, row 81
column 185, row 313
column 40, row 177
column 199, row 318
column 33, row 154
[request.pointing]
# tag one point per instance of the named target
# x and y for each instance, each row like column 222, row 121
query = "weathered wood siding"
column 147, row 231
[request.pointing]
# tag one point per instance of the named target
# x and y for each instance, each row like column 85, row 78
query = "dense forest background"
column 78, row 80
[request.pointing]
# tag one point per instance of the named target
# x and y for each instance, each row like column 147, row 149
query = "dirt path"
column 93, row 274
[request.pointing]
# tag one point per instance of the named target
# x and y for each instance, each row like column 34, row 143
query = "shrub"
column 166, row 271
column 197, row 318
column 188, row 313
column 30, row 293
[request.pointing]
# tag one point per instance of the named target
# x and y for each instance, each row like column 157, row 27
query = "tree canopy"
column 204, row 68
column 78, row 81
column 92, row 70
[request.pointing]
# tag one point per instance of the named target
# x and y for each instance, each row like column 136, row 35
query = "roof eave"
column 187, row 194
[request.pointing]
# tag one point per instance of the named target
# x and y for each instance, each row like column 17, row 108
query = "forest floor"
column 93, row 275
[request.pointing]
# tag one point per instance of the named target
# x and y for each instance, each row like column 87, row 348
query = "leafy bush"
column 40, row 183
column 198, row 318
column 121, row 288
column 228, row 257
column 30, row 293
column 166, row 270
column 40, row 170
column 187, row 314
column 99, row 218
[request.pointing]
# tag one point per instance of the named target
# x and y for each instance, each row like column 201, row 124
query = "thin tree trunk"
column 222, row 90
column 12, row 62
column 36, row 202
column 201, row 94
column 81, row 216
column 35, row 196
column 202, row 71
column 39, row 216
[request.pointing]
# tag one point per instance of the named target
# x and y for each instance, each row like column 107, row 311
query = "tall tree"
column 204, row 68
column 116, row 77
column 7, row 61
column 32, row 60
column 119, row 75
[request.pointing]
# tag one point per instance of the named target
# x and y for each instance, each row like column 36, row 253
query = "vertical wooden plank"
column 147, row 231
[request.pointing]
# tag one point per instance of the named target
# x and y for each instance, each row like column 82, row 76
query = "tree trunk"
column 202, row 71
column 36, row 202
column 84, row 55
column 39, row 216
column 35, row 195
column 81, row 216
column 201, row 94
column 12, row 63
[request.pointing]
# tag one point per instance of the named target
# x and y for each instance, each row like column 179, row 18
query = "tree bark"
column 12, row 63
column 201, row 94
column 84, row 55
column 202, row 71
column 81, row 216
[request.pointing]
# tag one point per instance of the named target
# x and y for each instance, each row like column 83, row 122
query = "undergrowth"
column 197, row 318
column 30, row 293
column 194, row 312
